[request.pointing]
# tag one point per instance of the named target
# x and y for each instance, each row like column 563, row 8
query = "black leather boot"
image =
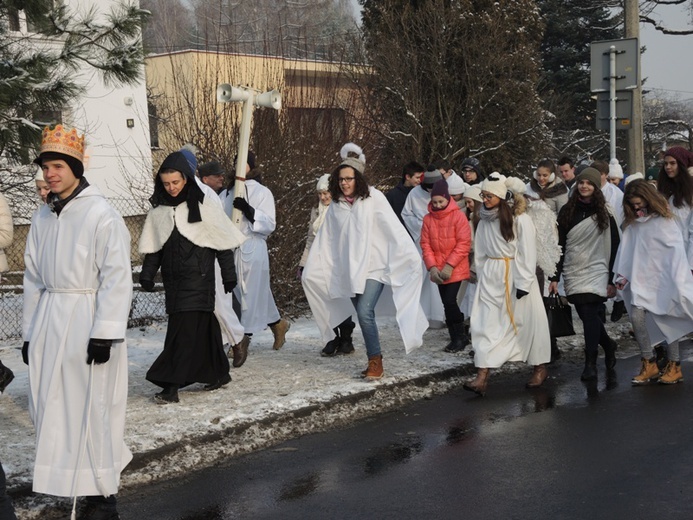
column 346, row 344
column 332, row 345
column 458, row 338
column 590, row 371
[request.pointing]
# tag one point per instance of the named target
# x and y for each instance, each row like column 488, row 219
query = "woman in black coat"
column 183, row 234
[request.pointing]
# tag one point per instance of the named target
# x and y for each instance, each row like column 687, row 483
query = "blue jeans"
column 365, row 311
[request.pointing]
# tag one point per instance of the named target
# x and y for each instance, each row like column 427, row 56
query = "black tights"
column 595, row 333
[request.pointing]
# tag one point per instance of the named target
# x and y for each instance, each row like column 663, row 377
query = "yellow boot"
column 672, row 373
column 648, row 371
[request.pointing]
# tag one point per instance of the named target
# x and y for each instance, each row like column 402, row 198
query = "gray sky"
column 668, row 60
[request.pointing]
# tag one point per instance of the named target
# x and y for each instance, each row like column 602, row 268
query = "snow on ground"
column 276, row 395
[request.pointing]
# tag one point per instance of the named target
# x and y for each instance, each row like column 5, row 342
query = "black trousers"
column 6, row 509
column 448, row 294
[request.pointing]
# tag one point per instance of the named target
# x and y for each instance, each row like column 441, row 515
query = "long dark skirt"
column 193, row 351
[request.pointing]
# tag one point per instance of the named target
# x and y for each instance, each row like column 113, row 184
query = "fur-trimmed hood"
column 553, row 189
column 215, row 231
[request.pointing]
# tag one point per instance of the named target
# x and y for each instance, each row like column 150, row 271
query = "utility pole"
column 636, row 154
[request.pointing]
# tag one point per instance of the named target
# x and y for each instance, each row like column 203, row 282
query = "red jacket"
column 446, row 238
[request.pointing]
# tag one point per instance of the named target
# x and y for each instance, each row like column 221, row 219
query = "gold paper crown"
column 63, row 140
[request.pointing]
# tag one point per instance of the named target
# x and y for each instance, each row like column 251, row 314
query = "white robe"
column 614, row 199
column 359, row 242
column 252, row 259
column 502, row 267
column 684, row 219
column 77, row 286
column 652, row 258
column 415, row 209
column 586, row 260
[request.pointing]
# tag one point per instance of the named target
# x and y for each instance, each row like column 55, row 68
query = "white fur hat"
column 615, row 170
column 323, row 183
column 456, row 186
column 474, row 193
column 39, row 175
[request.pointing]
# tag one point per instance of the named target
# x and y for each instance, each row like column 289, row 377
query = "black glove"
column 99, row 351
column 25, row 353
column 519, row 294
column 147, row 285
column 245, row 208
column 229, row 286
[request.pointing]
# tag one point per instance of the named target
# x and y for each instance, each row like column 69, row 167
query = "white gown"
column 77, row 286
column 503, row 267
column 252, row 259
column 415, row 209
column 684, row 219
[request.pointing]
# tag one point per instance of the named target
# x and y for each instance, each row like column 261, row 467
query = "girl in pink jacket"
column 446, row 239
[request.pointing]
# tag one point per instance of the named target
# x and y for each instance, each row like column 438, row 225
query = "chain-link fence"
column 146, row 307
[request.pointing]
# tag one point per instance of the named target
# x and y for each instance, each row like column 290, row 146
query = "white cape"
column 652, row 258
column 359, row 242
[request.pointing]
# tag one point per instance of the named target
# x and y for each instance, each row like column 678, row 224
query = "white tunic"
column 502, row 267
column 252, row 259
column 359, row 242
column 77, row 286
column 415, row 209
column 614, row 198
column 652, row 258
column 684, row 219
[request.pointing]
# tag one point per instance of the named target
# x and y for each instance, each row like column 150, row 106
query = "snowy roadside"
column 276, row 395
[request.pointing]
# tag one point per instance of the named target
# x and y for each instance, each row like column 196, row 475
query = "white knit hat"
column 495, row 184
column 634, row 177
column 456, row 186
column 39, row 175
column 323, row 183
column 615, row 170
column 474, row 193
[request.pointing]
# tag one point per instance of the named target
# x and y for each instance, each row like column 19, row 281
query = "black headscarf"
column 191, row 192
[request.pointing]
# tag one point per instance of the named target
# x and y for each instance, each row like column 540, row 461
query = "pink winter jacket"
column 446, row 238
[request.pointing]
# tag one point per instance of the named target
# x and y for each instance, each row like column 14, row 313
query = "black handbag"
column 559, row 315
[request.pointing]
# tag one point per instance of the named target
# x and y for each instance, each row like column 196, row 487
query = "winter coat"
column 555, row 193
column 186, row 250
column 446, row 238
column 188, row 273
column 397, row 196
column 6, row 232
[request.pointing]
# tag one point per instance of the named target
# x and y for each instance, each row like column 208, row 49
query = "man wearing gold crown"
column 77, row 293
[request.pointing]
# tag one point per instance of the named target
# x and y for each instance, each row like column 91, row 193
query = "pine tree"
column 39, row 68
column 570, row 26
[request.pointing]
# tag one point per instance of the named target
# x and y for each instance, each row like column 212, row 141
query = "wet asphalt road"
column 565, row 451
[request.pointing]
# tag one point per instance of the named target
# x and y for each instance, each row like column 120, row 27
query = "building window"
column 13, row 15
column 153, row 125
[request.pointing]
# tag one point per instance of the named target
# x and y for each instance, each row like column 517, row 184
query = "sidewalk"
column 275, row 396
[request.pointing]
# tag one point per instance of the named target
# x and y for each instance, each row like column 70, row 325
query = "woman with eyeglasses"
column 508, row 321
column 589, row 238
column 654, row 277
column 361, row 247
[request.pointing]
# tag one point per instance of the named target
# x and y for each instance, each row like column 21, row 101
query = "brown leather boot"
column 239, row 352
column 375, row 367
column 279, row 330
column 538, row 376
column 479, row 383
column 648, row 371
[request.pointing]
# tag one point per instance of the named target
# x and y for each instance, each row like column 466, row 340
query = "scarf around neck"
column 488, row 214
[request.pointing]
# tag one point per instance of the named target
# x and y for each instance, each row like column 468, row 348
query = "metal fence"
column 146, row 307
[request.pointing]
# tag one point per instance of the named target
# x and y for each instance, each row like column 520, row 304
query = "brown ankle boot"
column 478, row 384
column 279, row 331
column 538, row 376
column 375, row 367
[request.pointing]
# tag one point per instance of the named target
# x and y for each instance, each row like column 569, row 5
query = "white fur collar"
column 214, row 231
